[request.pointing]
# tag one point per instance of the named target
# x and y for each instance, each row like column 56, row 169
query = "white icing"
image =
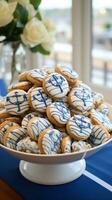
column 80, row 99
column 26, row 119
column 98, row 135
column 40, row 100
column 103, row 108
column 38, row 74
column 80, row 126
column 56, row 85
column 80, row 146
column 51, row 141
column 97, row 97
column 69, row 72
column 60, row 112
column 37, row 126
column 14, row 136
column 4, row 129
column 16, row 102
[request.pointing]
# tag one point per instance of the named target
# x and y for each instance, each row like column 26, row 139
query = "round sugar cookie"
column 79, row 127
column 56, row 86
column 16, row 102
column 36, row 125
column 4, row 127
column 58, row 113
column 27, row 145
column 36, row 76
column 103, row 108
column 27, row 118
column 13, row 136
column 99, row 118
column 39, row 100
column 24, row 85
column 70, row 74
column 99, row 135
column 49, row 141
column 97, row 98
column 66, row 144
column 80, row 98
column 80, row 146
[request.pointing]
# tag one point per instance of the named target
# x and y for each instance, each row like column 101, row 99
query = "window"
column 59, row 12
column 101, row 68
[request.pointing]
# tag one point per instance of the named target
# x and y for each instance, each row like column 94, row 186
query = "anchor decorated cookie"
column 16, row 102
column 66, row 144
column 13, row 136
column 80, row 146
column 99, row 118
column 36, row 125
column 99, row 135
column 58, row 113
column 79, row 127
column 36, row 76
column 56, row 86
column 39, row 100
column 27, row 145
column 70, row 74
column 49, row 141
column 80, row 98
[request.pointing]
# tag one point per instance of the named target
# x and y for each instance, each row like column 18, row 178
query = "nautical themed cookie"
column 56, row 86
column 66, row 144
column 103, row 108
column 13, row 135
column 49, row 141
column 79, row 127
column 70, row 74
column 24, row 85
column 84, row 86
column 99, row 135
column 39, row 100
column 58, row 113
column 99, row 118
column 80, row 146
column 97, row 98
column 27, row 118
column 16, row 102
column 27, row 145
column 4, row 127
column 80, row 98
column 36, row 125
column 36, row 76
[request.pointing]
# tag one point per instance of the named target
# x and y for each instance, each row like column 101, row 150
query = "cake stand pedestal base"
column 52, row 174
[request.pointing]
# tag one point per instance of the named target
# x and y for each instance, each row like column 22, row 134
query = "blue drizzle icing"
column 81, row 123
column 62, row 109
column 55, row 142
column 41, row 97
column 17, row 102
column 83, row 95
column 57, row 81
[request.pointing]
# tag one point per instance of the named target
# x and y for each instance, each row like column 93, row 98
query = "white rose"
column 34, row 33
column 22, row 2
column 49, row 25
column 48, row 45
column 6, row 12
column 31, row 11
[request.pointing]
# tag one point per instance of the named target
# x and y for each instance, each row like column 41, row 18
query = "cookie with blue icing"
column 80, row 99
column 36, row 125
column 26, row 119
column 36, row 76
column 66, row 144
column 78, row 146
column 79, row 127
column 4, row 127
column 49, row 141
column 97, row 98
column 27, row 145
column 39, row 100
column 99, row 118
column 16, row 102
column 99, row 135
column 70, row 74
column 13, row 136
column 58, row 113
column 103, row 108
column 56, row 86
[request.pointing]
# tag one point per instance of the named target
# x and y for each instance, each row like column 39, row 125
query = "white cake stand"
column 53, row 169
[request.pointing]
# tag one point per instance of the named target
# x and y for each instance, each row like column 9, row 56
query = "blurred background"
column 83, row 40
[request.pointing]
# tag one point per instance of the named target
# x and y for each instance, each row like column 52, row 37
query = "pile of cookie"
column 50, row 111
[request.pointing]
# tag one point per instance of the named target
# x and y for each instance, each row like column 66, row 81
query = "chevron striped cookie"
column 79, row 127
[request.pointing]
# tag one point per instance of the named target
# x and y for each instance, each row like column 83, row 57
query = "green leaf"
column 21, row 14
column 38, row 15
column 35, row 3
column 40, row 49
